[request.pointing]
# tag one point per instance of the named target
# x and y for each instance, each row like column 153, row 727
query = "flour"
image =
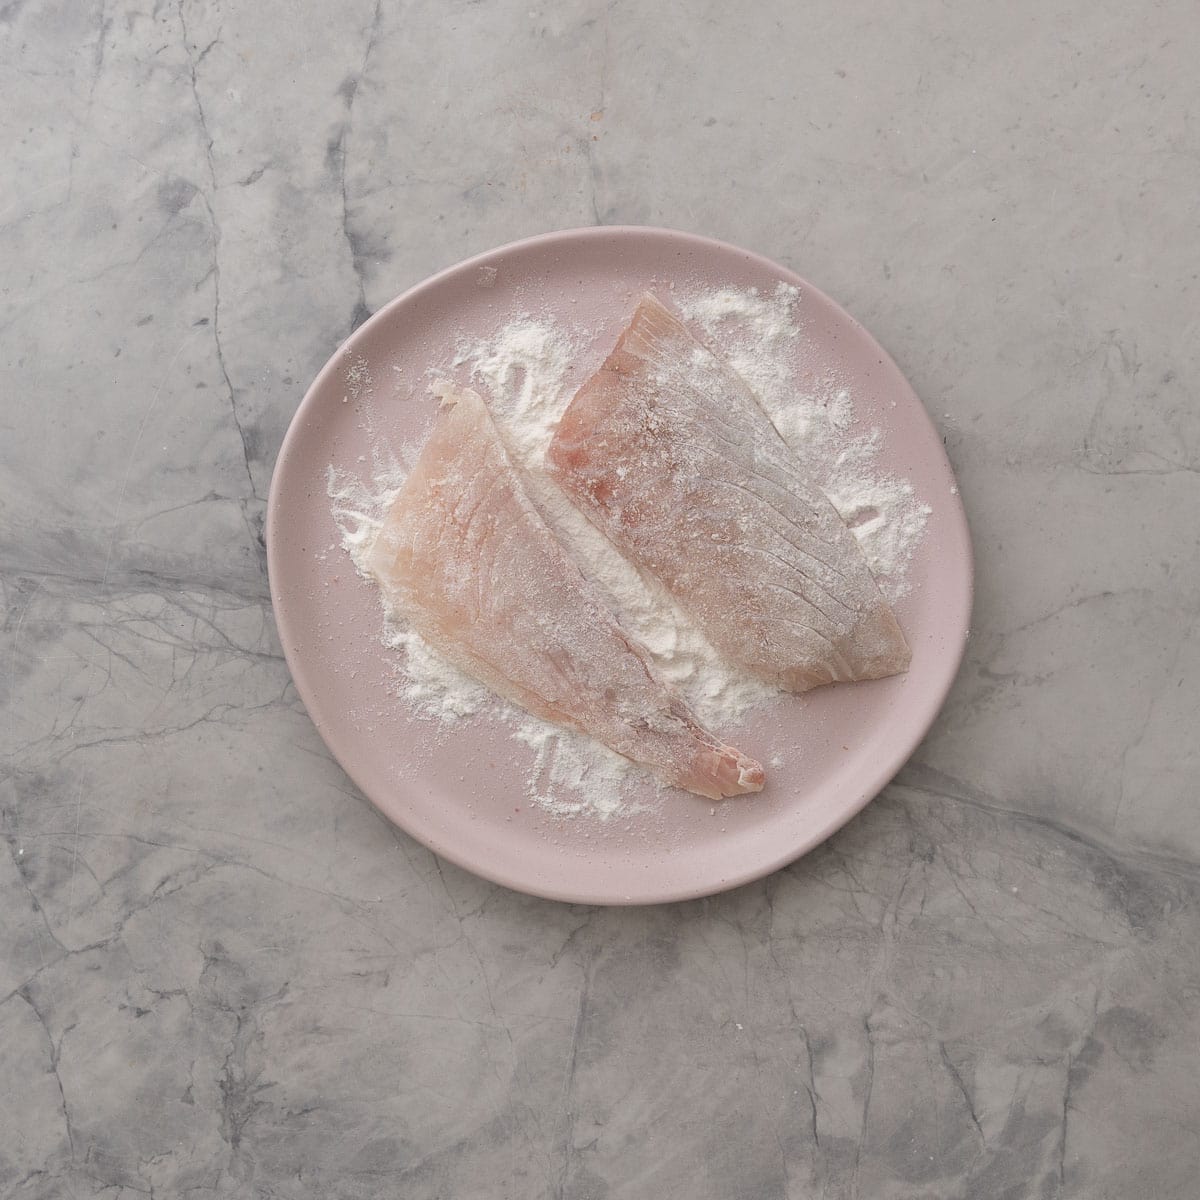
column 770, row 323
column 572, row 774
column 527, row 372
column 358, row 380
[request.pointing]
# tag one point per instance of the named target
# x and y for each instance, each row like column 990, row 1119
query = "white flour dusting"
column 573, row 774
column 523, row 372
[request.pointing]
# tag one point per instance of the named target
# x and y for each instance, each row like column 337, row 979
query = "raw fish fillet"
column 467, row 558
column 669, row 453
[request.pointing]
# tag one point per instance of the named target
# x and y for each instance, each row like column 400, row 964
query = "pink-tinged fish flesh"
column 465, row 556
column 669, row 453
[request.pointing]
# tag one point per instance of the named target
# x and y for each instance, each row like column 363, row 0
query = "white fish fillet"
column 467, row 558
column 669, row 453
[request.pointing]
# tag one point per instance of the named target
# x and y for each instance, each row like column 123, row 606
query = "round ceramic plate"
column 463, row 793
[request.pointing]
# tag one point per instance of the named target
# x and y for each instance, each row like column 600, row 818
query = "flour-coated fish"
column 669, row 453
column 467, row 558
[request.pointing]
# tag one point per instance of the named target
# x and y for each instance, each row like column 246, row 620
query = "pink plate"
column 463, row 793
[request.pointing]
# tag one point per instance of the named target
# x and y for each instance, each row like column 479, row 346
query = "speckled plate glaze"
column 462, row 792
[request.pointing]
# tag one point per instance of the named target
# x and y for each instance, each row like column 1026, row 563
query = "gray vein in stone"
column 570, row 1115
column 187, row 505
column 103, row 27
column 111, row 584
column 960, row 1083
column 590, row 146
column 919, row 777
column 55, row 1051
column 137, row 441
column 868, row 1089
column 1167, row 468
column 810, row 1085
column 210, row 201
column 18, row 215
column 1062, row 1140
column 337, row 154
column 216, row 714
column 1069, row 606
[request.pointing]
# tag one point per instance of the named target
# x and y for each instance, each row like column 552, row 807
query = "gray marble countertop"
column 222, row 973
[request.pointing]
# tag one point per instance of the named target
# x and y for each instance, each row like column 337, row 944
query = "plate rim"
column 883, row 773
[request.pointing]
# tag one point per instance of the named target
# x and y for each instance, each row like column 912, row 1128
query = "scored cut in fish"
column 669, row 453
column 463, row 553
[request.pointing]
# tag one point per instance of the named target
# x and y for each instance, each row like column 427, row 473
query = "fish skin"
column 529, row 624
column 668, row 452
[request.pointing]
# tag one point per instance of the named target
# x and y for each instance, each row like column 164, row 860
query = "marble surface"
column 221, row 973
